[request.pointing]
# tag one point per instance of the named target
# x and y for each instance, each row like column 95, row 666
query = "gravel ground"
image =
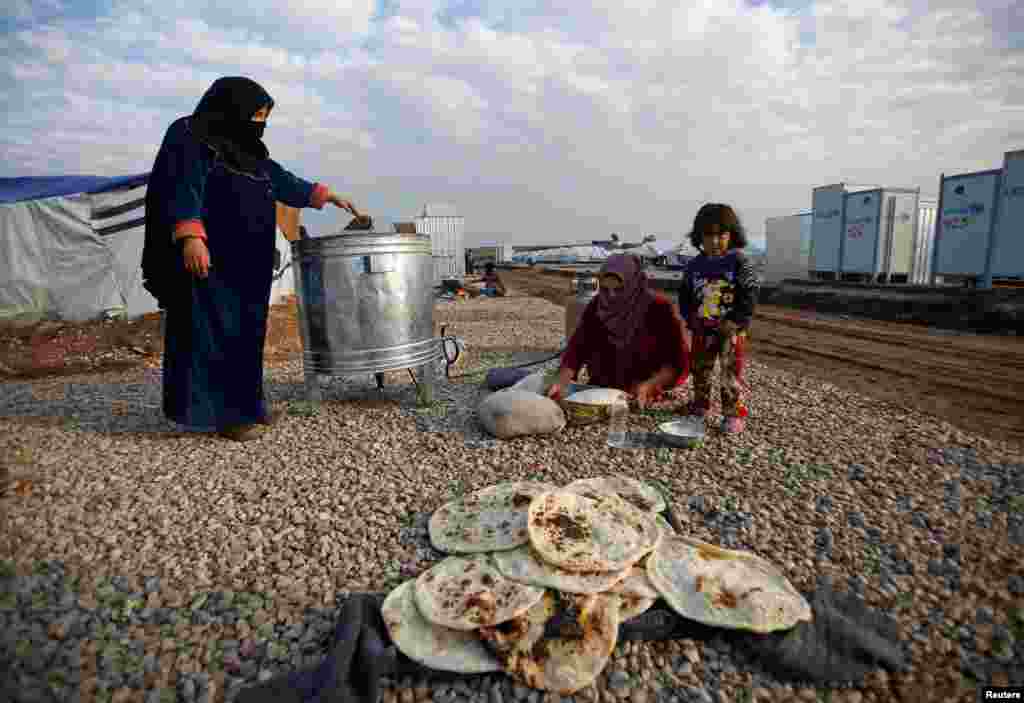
column 153, row 564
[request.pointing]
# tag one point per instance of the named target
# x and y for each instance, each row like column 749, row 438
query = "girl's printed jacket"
column 717, row 288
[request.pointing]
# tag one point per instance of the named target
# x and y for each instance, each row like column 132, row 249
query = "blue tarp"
column 13, row 190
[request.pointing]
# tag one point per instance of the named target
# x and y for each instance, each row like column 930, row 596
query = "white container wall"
column 447, row 236
column 924, row 241
column 1008, row 254
column 966, row 203
column 896, row 236
column 788, row 244
column 439, row 210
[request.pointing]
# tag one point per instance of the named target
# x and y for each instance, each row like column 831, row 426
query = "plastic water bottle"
column 618, row 419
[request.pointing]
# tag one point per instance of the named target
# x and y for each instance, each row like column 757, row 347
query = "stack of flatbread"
column 540, row 578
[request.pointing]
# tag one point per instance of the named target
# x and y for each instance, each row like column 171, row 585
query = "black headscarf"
column 223, row 119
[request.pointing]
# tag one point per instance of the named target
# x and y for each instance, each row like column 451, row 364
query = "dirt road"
column 974, row 381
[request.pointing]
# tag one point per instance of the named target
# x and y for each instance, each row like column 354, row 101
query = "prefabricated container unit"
column 966, row 222
column 867, row 232
column 491, row 251
column 1007, row 255
column 827, row 203
column 447, row 236
column 878, row 234
column 924, row 242
column 788, row 241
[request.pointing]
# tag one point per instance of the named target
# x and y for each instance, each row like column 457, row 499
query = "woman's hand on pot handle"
column 344, row 204
column 197, row 257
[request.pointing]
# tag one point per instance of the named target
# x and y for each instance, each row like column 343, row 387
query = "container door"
column 966, row 218
column 1008, row 257
column 827, row 226
column 861, row 232
column 900, row 248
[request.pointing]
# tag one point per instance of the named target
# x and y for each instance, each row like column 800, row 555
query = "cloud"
column 541, row 120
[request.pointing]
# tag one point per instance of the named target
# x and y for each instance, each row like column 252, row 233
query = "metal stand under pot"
column 366, row 306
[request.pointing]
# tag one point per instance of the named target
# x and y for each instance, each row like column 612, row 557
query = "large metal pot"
column 366, row 305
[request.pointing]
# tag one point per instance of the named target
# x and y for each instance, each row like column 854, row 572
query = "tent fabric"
column 14, row 190
column 71, row 249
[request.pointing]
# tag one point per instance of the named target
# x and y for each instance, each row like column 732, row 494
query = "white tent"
column 71, row 248
column 570, row 254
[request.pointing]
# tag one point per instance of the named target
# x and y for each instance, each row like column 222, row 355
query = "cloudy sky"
column 541, row 121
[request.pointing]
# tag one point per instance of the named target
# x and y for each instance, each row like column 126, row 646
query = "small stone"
column 873, row 535
column 698, row 695
column 187, row 689
column 823, row 504
column 618, row 680
column 904, row 504
column 824, row 541
column 1016, row 584
column 856, row 585
column 919, row 519
column 856, row 472
column 696, row 503
column 855, row 518
column 935, row 568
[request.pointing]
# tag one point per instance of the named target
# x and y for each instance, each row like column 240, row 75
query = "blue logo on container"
column 972, row 209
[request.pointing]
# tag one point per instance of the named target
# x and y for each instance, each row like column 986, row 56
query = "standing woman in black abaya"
column 211, row 224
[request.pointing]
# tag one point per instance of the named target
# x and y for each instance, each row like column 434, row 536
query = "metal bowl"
column 686, row 433
column 580, row 414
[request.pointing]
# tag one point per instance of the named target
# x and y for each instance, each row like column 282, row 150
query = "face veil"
column 223, row 119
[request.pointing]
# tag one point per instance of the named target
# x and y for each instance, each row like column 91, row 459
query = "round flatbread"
column 589, row 629
column 633, row 606
column 431, row 645
column 580, row 534
column 664, row 525
column 465, row 593
column 724, row 588
column 636, row 583
column 489, row 520
column 636, row 493
column 522, row 564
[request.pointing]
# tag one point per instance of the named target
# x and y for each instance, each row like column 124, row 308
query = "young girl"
column 717, row 300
